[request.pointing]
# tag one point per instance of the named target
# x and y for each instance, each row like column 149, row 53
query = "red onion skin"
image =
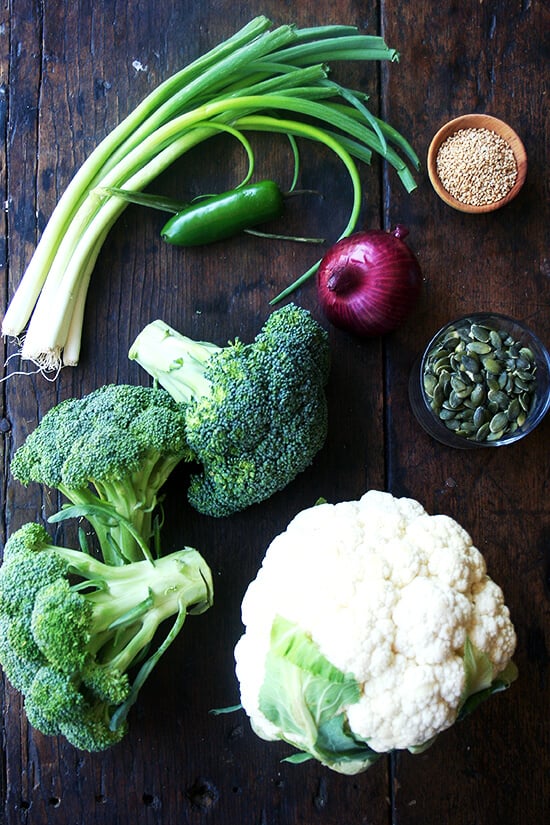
column 368, row 282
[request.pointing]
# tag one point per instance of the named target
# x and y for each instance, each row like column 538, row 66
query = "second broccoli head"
column 73, row 629
column 255, row 413
column 78, row 631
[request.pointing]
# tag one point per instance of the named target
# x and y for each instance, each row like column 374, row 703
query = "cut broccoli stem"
column 127, row 612
column 77, row 636
column 175, row 361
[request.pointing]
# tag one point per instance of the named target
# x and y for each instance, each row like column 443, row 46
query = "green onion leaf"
column 259, row 78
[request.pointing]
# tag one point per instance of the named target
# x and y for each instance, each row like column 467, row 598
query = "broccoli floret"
column 77, row 630
column 108, row 453
column 255, row 414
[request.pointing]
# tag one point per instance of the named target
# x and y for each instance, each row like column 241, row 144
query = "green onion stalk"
column 260, row 79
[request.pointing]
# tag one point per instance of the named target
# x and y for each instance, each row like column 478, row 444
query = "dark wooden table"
column 68, row 73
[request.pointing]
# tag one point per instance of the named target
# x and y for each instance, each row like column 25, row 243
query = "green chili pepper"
column 217, row 217
column 211, row 218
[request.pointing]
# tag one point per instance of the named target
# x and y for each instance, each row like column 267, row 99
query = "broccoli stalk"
column 177, row 362
column 73, row 628
column 109, row 453
column 255, row 414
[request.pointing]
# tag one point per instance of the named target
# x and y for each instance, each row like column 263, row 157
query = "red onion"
column 368, row 282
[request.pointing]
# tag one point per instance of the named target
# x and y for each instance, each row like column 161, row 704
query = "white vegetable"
column 371, row 626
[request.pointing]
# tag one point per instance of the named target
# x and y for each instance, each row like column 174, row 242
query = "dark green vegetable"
column 255, row 413
column 111, row 451
column 73, row 630
column 223, row 216
column 80, row 632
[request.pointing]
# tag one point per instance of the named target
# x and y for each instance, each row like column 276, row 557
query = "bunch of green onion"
column 259, row 79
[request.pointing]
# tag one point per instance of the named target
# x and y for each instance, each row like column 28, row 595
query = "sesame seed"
column 476, row 166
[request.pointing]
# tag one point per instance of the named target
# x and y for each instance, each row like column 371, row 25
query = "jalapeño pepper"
column 217, row 217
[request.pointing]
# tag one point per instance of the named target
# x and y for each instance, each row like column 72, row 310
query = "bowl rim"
column 477, row 120
column 436, row 428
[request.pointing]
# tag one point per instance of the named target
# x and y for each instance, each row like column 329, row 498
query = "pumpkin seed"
column 525, row 401
column 430, row 382
column 470, row 363
column 495, row 338
column 467, row 429
column 479, row 416
column 439, row 396
column 492, row 365
column 483, row 432
column 481, row 333
column 442, row 362
column 499, row 398
column 458, row 383
column 479, row 394
column 479, row 347
column 480, row 382
column 454, row 400
column 514, row 409
column 525, row 375
column 498, row 422
column 528, row 354
column 521, row 383
column 452, row 424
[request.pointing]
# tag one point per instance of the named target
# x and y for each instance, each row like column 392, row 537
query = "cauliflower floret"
column 384, row 517
column 490, row 628
column 408, row 705
column 390, row 596
column 452, row 559
column 430, row 621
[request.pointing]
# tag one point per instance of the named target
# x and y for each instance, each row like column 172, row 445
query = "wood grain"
column 68, row 73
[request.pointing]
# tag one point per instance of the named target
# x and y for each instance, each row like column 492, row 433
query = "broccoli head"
column 74, row 631
column 109, row 452
column 255, row 413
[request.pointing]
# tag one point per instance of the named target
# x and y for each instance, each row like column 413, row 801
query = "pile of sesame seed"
column 476, row 166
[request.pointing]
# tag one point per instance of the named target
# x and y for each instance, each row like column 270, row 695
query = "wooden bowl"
column 477, row 121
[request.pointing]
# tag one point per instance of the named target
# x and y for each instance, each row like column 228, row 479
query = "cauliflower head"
column 371, row 626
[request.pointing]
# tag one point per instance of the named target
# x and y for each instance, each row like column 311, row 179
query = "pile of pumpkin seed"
column 480, row 381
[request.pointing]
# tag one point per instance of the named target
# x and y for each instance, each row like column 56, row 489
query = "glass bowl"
column 482, row 381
